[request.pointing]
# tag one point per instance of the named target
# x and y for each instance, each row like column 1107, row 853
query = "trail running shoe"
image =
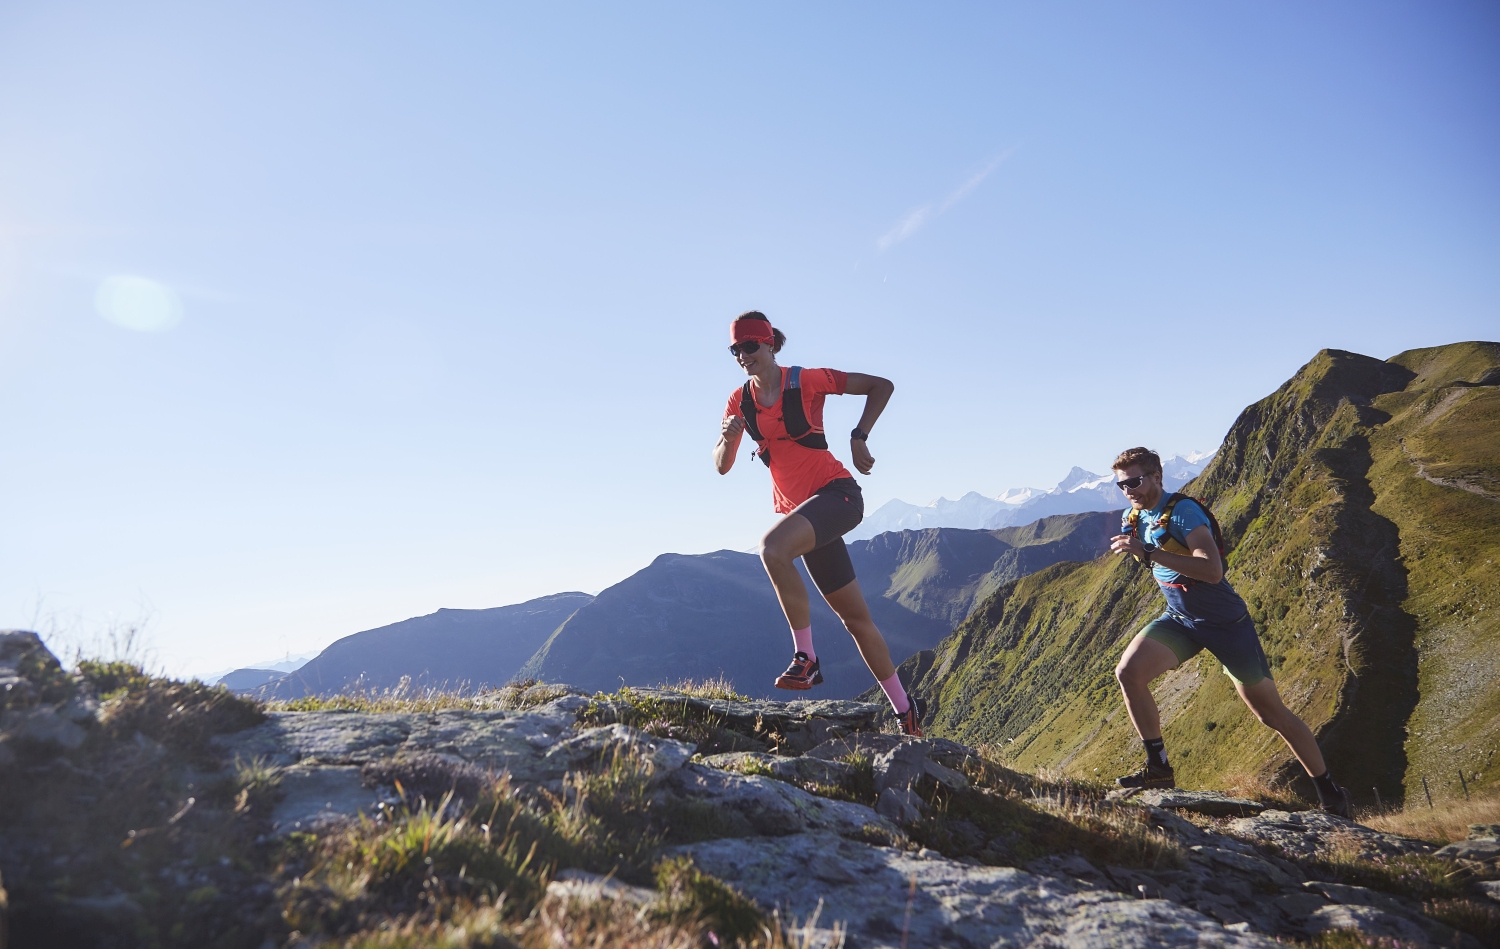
column 1340, row 806
column 1149, row 776
column 911, row 719
column 803, row 673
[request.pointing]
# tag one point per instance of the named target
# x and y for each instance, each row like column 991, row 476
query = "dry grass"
column 1447, row 822
column 1255, row 786
column 406, row 696
column 717, row 688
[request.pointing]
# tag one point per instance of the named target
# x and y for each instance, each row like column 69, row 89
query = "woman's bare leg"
column 849, row 603
column 792, row 537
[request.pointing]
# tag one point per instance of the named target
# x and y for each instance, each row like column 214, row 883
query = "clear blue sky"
column 438, row 293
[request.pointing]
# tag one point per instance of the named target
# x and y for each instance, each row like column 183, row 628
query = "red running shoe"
column 803, row 673
column 911, row 719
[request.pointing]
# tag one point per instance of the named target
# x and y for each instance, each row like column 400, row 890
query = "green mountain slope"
column 1361, row 502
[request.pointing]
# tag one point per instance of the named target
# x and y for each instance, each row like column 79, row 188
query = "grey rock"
column 1482, row 831
column 1490, row 888
column 751, row 804
column 1077, row 869
column 902, row 805
column 1251, row 866
column 910, row 763
column 591, row 888
column 1314, row 833
column 1481, row 850
column 1368, row 921
column 314, row 797
column 1358, row 896
column 1295, row 906
column 42, row 725
column 870, row 889
column 1209, row 803
column 502, row 740
column 786, row 769
column 597, row 745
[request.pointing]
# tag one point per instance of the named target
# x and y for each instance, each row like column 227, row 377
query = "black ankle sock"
column 1327, row 790
column 1156, row 751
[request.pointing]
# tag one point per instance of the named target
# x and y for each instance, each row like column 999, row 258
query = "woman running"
column 782, row 408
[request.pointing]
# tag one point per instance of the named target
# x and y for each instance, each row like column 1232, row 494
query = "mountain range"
column 1361, row 504
column 1080, row 490
column 698, row 616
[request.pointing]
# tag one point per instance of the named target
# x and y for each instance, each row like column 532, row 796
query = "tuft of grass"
column 257, row 783
column 717, row 688
column 1477, row 917
column 1447, row 822
column 415, row 861
column 466, row 926
column 182, row 716
column 609, row 818
column 664, row 718
column 688, row 895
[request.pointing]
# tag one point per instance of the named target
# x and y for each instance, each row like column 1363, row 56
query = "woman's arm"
column 877, row 393
column 728, row 444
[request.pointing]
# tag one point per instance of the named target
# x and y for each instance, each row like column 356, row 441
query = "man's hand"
column 1127, row 544
column 731, row 427
column 863, row 460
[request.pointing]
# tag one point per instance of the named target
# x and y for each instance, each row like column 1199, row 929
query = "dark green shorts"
column 1235, row 645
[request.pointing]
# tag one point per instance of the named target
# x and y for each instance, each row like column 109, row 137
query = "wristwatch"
column 1150, row 549
column 859, row 434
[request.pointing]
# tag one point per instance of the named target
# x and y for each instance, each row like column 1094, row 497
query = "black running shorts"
column 1235, row 645
column 834, row 510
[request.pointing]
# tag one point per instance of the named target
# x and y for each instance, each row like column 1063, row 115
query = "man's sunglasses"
column 1130, row 483
column 748, row 348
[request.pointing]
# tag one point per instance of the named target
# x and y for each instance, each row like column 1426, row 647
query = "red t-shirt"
column 797, row 471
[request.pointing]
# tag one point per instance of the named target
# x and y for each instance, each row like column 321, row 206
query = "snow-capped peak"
column 1076, row 478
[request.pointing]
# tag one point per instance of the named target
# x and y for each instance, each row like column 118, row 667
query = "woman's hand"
column 729, row 442
column 863, row 460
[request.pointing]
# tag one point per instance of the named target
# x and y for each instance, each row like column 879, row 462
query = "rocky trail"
column 854, row 836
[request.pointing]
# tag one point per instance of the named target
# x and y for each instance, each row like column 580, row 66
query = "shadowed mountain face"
column 1361, row 504
column 457, row 647
column 706, row 615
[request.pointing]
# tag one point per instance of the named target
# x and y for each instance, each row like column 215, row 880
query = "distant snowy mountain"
column 1079, row 491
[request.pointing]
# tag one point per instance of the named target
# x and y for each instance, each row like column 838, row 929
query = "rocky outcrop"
column 41, row 706
column 853, row 836
column 849, row 869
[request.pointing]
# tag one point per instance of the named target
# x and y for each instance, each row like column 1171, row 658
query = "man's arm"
column 877, row 393
column 1202, row 564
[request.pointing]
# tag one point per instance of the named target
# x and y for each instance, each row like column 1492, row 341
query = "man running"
column 1175, row 535
column 782, row 409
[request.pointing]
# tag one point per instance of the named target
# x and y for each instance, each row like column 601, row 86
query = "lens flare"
column 138, row 304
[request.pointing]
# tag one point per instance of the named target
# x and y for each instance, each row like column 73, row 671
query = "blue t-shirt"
column 1186, row 516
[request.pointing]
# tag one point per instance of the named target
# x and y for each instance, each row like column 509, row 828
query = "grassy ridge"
column 1369, row 582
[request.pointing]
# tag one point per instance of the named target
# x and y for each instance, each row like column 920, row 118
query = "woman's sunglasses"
column 1130, row 483
column 748, row 348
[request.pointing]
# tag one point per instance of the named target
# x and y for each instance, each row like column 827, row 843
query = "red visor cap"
column 758, row 330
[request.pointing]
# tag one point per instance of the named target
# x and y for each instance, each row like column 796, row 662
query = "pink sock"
column 896, row 693
column 803, row 640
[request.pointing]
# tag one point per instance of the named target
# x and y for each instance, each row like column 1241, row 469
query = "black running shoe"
column 1340, row 806
column 1149, row 776
column 803, row 673
column 911, row 719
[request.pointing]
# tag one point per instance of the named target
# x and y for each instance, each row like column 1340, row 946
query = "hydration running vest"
column 793, row 416
column 1168, row 542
